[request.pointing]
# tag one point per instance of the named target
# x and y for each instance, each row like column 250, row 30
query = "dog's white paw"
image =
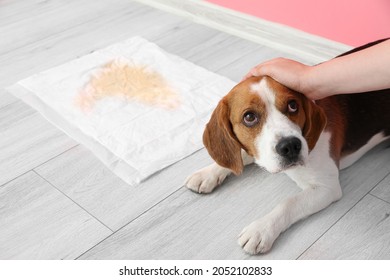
column 206, row 179
column 258, row 237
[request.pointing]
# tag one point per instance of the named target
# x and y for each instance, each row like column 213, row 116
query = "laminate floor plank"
column 27, row 140
column 83, row 178
column 39, row 222
column 382, row 191
column 363, row 233
column 35, row 26
column 6, row 98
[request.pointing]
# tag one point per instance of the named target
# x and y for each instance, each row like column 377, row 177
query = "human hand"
column 288, row 72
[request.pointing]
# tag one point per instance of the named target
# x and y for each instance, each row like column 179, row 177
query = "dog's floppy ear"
column 220, row 140
column 314, row 124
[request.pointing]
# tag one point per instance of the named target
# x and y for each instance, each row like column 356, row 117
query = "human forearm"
column 362, row 71
column 365, row 70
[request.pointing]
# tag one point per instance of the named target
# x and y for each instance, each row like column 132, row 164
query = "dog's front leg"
column 206, row 179
column 259, row 236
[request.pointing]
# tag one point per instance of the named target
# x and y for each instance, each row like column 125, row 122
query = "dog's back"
column 359, row 121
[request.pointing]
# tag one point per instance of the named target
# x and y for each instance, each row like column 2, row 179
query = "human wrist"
column 313, row 83
column 307, row 81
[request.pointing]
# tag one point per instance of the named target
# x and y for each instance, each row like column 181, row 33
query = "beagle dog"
column 280, row 130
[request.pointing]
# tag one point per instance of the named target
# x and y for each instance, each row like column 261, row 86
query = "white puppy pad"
column 138, row 108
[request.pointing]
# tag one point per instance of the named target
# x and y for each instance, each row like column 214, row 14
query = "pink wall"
column 352, row 22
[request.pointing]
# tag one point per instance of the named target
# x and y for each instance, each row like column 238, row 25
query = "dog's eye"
column 250, row 119
column 292, row 106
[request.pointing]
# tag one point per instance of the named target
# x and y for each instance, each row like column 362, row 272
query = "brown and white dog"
column 280, row 130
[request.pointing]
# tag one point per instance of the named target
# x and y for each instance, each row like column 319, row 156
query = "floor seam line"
column 128, row 223
column 41, row 176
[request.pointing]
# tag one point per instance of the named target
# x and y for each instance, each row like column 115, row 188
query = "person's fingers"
column 254, row 72
column 247, row 76
column 263, row 69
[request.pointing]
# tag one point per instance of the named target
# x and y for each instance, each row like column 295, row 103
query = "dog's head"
column 273, row 124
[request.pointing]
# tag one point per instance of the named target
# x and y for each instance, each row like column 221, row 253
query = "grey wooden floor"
column 57, row 201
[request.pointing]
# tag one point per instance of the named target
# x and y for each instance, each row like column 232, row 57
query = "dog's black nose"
column 289, row 148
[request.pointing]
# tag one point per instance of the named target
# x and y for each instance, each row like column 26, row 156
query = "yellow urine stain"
column 132, row 82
